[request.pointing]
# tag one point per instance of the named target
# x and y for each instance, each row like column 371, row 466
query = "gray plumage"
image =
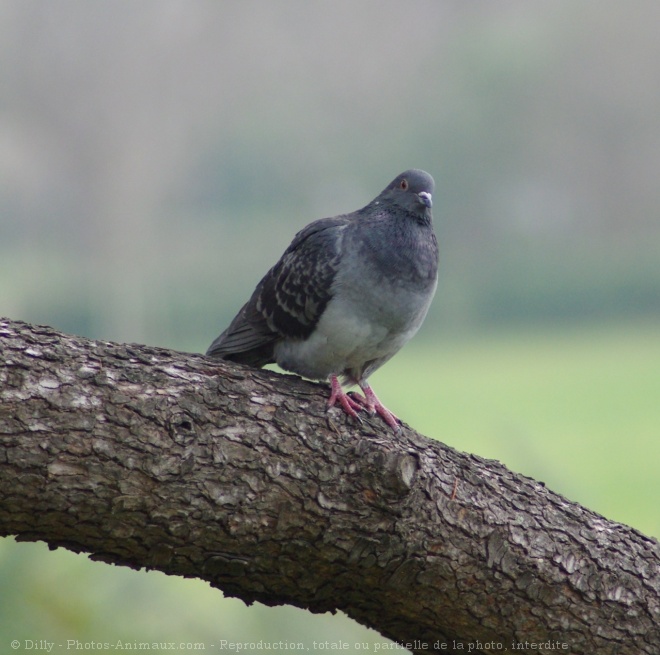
column 347, row 293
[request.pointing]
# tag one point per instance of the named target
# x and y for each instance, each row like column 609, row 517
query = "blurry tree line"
column 156, row 157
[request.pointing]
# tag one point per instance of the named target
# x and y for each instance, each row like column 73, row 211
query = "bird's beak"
column 425, row 198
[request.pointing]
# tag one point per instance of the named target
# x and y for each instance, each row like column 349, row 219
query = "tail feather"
column 247, row 340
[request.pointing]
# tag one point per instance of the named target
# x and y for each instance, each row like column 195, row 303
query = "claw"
column 353, row 403
column 374, row 406
column 338, row 395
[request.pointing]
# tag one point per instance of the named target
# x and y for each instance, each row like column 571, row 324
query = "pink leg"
column 374, row 406
column 338, row 395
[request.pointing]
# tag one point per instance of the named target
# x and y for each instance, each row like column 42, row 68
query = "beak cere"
column 425, row 198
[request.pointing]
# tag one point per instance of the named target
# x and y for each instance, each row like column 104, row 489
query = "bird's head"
column 411, row 191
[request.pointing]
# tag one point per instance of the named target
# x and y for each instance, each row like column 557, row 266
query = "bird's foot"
column 371, row 403
column 339, row 396
column 353, row 402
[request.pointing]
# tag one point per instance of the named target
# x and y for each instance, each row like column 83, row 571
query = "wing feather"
column 290, row 299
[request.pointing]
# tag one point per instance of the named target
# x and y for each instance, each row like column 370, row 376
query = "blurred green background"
column 157, row 157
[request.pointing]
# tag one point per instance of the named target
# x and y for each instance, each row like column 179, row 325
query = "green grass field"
column 578, row 408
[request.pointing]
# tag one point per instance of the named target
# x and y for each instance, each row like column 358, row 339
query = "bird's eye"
column 403, row 185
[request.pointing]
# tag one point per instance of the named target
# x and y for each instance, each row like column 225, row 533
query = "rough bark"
column 151, row 458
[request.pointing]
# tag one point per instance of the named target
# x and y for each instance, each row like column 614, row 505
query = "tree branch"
column 151, row 458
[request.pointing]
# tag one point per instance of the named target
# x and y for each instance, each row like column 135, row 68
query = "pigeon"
column 346, row 295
